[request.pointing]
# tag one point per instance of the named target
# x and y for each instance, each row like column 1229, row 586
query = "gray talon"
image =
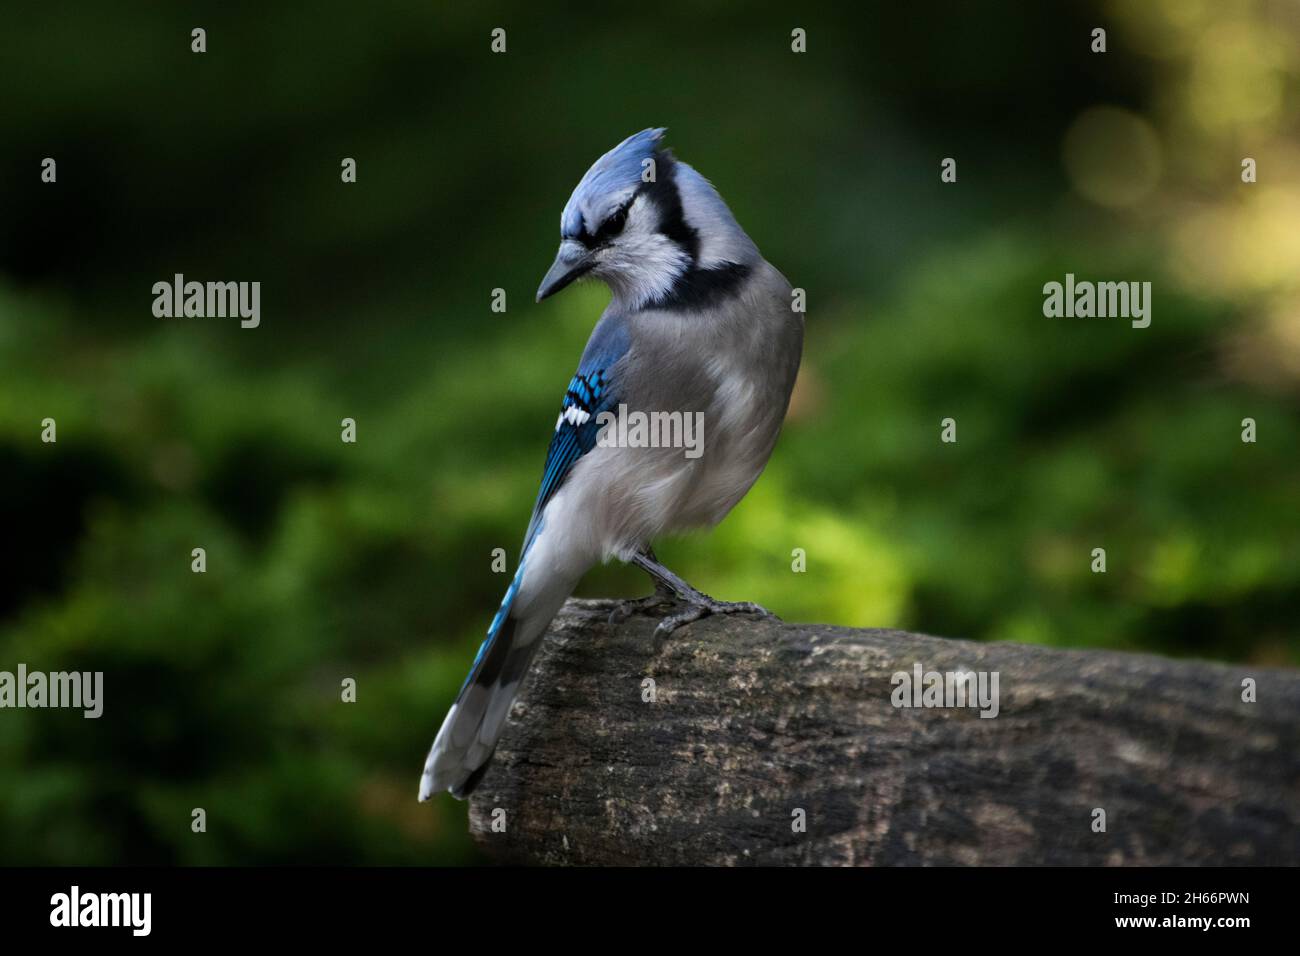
column 632, row 606
column 698, row 609
column 698, row 604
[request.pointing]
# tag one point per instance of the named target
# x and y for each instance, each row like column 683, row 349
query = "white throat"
column 644, row 264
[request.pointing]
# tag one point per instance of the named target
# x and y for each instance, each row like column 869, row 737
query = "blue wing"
column 498, row 663
column 594, row 389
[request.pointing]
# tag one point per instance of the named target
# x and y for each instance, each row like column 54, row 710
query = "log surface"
column 754, row 720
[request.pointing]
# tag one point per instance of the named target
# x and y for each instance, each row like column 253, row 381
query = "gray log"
column 755, row 719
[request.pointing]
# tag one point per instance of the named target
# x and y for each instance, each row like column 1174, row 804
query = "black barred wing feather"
column 576, row 430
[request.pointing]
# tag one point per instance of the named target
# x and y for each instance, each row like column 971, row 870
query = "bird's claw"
column 632, row 606
column 697, row 608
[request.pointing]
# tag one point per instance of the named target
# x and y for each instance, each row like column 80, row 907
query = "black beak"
column 572, row 262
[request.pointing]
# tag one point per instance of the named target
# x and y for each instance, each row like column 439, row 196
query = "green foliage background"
column 371, row 561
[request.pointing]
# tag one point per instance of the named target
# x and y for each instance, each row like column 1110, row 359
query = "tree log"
column 753, row 726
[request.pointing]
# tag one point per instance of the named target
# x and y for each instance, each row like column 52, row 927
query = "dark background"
column 329, row 560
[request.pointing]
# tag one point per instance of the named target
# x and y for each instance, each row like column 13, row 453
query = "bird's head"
column 642, row 221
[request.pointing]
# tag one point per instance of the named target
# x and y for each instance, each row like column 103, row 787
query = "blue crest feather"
column 609, row 179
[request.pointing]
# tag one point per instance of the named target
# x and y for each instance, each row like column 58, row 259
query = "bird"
column 699, row 323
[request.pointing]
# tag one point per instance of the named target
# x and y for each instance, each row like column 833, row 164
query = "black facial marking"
column 695, row 288
column 612, row 225
column 663, row 193
column 700, row 288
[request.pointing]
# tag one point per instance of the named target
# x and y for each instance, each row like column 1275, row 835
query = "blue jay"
column 699, row 322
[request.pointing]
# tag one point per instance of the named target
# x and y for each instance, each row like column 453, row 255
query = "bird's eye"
column 612, row 226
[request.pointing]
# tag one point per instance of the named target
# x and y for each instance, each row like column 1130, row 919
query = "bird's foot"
column 700, row 605
column 632, row 606
column 668, row 586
